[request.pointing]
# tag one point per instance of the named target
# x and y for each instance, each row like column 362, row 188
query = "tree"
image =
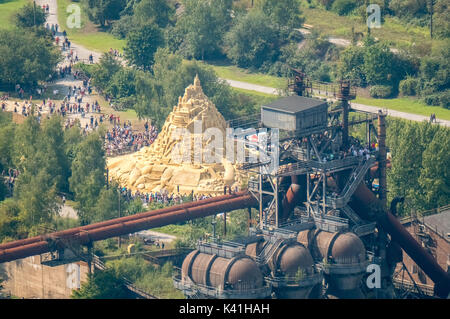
column 142, row 44
column 88, row 175
column 103, row 71
column 103, row 11
column 107, row 206
column 378, row 64
column 29, row 16
column 104, row 284
column 26, row 58
column 7, row 131
column 9, row 220
column 35, row 189
column 158, row 12
column 53, row 144
column 284, row 13
column 419, row 169
column 203, row 24
column 122, row 84
column 252, row 41
column 434, row 177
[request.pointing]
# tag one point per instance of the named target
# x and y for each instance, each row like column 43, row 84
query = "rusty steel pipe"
column 365, row 201
column 118, row 228
column 293, row 195
column 35, row 239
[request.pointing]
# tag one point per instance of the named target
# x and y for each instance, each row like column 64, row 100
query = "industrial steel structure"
column 322, row 218
column 320, row 213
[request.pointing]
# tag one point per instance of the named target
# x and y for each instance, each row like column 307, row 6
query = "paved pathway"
column 393, row 113
column 356, row 106
column 252, row 87
column 157, row 236
column 52, row 18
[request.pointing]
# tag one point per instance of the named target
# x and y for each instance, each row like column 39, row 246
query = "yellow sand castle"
column 155, row 167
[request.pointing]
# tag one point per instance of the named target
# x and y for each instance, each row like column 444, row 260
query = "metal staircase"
column 351, row 215
column 268, row 251
column 355, row 179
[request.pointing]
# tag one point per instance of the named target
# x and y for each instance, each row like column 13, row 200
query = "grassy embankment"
column 89, row 35
column 7, row 10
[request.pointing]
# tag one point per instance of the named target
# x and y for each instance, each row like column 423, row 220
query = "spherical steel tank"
column 290, row 258
column 293, row 261
column 239, row 273
column 343, row 256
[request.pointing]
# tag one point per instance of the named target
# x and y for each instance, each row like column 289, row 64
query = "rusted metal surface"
column 254, row 249
column 365, row 202
column 114, row 221
column 237, row 273
column 292, row 257
column 342, row 248
column 382, row 157
column 343, row 254
column 294, row 195
column 118, row 227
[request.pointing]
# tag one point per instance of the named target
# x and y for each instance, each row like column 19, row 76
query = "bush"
column 441, row 98
column 380, row 91
column 343, row 7
column 326, row 3
column 252, row 41
column 444, row 100
column 408, row 86
column 122, row 27
column 29, row 16
column 432, row 99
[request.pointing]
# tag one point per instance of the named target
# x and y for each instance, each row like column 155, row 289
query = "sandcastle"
column 155, row 168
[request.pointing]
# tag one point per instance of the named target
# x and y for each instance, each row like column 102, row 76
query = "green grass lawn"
column 7, row 10
column 407, row 105
column 395, row 32
column 232, row 72
column 88, row 35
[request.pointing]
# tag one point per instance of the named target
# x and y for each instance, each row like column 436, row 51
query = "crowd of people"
column 161, row 197
column 122, row 139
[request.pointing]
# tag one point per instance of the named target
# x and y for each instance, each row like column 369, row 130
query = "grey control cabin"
column 298, row 114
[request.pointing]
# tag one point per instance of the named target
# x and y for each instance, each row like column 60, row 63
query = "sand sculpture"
column 154, row 168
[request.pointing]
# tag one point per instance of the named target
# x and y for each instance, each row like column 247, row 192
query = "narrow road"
column 252, row 87
column 356, row 106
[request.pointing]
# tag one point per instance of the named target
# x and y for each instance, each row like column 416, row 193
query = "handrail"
column 185, row 283
column 268, row 251
column 352, row 184
column 304, row 280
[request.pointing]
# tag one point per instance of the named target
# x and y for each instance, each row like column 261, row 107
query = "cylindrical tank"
column 343, row 256
column 292, row 272
column 239, row 274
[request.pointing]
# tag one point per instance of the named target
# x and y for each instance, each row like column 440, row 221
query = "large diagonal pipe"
column 35, row 239
column 119, row 227
column 365, row 204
